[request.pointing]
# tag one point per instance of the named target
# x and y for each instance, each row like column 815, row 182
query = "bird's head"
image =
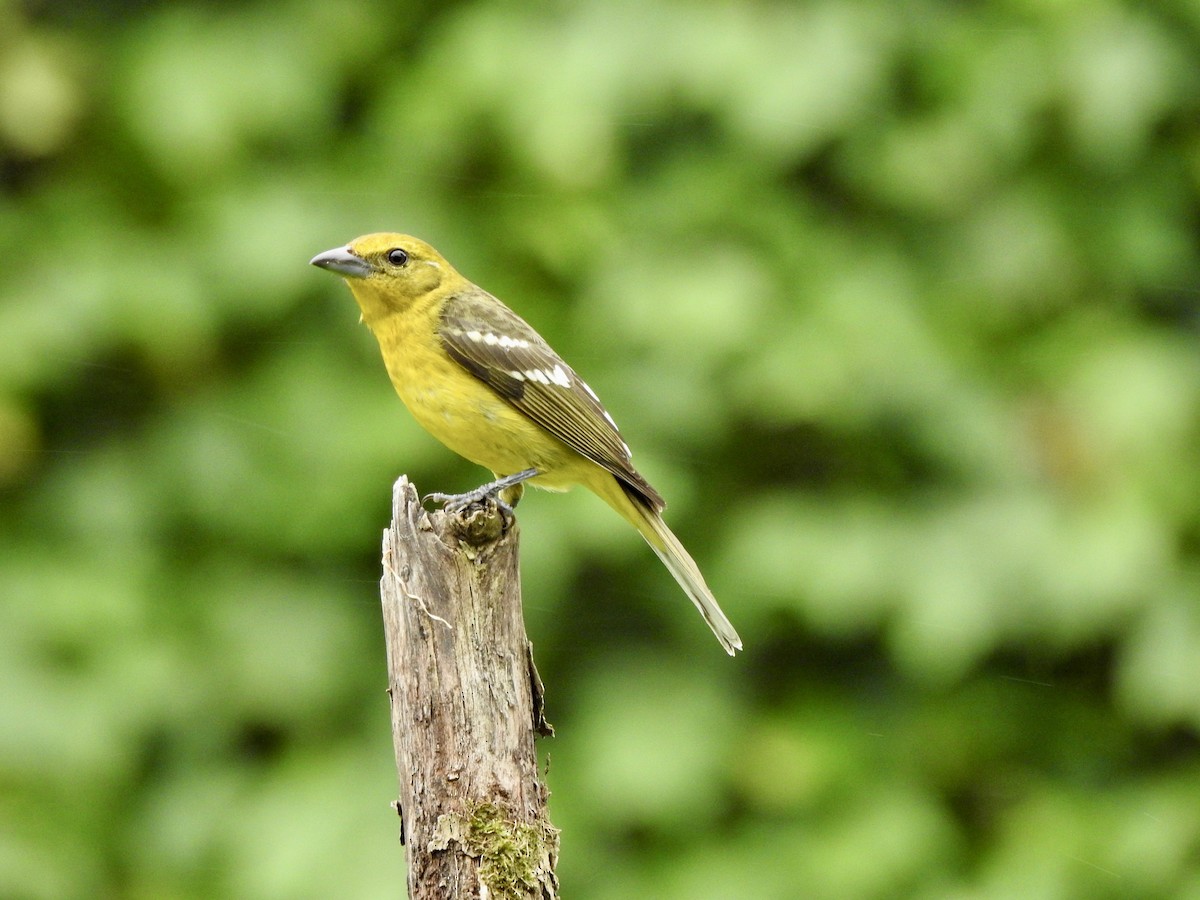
column 388, row 272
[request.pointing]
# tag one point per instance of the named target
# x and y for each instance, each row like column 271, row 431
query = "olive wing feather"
column 501, row 349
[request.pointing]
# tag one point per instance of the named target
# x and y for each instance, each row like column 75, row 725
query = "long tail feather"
column 683, row 567
column 641, row 511
column 678, row 562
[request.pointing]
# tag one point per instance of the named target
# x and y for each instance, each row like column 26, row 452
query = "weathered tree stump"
column 466, row 706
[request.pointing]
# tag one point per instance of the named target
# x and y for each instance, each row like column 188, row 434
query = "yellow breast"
column 460, row 410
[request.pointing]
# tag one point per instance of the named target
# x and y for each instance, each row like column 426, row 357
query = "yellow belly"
column 468, row 416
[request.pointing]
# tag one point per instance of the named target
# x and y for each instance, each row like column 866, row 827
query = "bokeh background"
column 896, row 302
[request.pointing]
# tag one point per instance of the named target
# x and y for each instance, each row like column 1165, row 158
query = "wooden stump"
column 466, row 706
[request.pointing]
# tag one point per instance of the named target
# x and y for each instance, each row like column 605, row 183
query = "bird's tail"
column 677, row 560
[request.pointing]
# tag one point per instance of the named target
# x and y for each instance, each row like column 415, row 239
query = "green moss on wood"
column 515, row 858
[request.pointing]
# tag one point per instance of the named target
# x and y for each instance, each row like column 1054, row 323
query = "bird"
column 482, row 381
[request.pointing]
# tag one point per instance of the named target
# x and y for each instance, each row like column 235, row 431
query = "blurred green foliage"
column 898, row 303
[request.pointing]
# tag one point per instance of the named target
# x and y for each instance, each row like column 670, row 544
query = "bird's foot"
column 504, row 492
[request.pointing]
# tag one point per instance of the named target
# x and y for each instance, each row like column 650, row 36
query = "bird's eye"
column 397, row 257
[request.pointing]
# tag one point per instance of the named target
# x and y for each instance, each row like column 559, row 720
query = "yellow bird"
column 477, row 377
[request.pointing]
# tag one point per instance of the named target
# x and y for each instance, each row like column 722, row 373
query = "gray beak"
column 343, row 262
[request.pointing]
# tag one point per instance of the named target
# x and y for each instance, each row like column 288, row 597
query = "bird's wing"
column 502, row 350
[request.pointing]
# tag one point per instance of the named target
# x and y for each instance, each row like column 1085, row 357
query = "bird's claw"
column 456, row 503
column 488, row 493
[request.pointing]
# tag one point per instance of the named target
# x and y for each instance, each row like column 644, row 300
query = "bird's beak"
column 342, row 261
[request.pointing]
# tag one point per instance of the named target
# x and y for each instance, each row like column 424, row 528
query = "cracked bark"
column 466, row 706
